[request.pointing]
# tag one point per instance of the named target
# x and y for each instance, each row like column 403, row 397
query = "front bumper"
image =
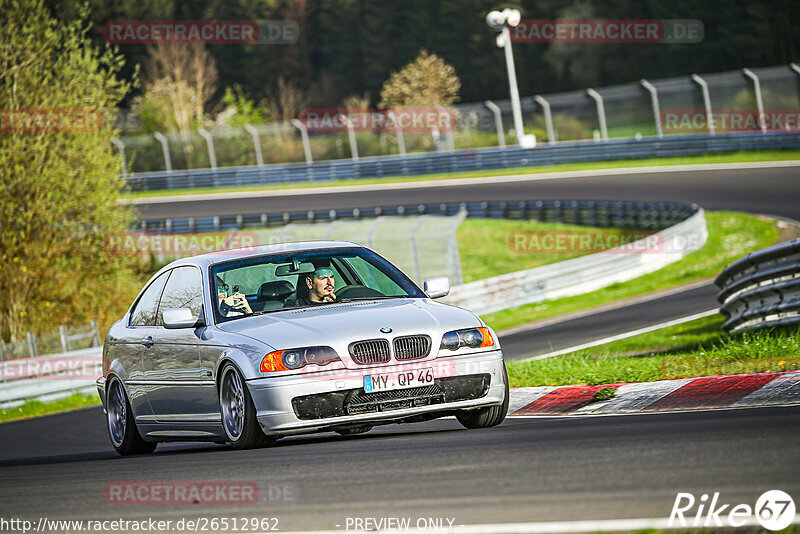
column 284, row 404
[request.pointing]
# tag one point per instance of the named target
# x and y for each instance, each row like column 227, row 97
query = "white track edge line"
column 624, row 335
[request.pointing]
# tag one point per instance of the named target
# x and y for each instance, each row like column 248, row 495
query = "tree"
column 426, row 81
column 181, row 79
column 59, row 174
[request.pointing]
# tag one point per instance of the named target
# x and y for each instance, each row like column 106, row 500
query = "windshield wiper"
column 382, row 297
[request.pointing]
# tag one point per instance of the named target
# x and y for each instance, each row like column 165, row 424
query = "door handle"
column 148, row 342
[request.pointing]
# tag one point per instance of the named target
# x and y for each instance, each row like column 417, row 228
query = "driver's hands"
column 330, row 298
column 238, row 302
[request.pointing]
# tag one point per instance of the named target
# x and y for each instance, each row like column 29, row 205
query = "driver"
column 320, row 286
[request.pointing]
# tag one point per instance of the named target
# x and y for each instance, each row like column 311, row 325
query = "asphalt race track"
column 527, row 469
column 572, row 332
column 769, row 191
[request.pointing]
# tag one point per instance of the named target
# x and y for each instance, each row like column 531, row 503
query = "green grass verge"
column 36, row 408
column 730, row 236
column 696, row 348
column 489, row 247
column 734, row 157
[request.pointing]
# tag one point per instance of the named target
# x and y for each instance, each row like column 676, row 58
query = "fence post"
column 351, row 136
column 165, row 148
column 62, row 331
column 498, row 122
column 96, row 342
column 32, row 345
column 401, row 140
column 256, row 143
column 414, row 251
column 449, row 136
column 601, row 112
column 121, row 147
column 304, row 135
column 212, row 155
column 656, row 108
column 706, row 102
column 759, row 102
column 548, row 118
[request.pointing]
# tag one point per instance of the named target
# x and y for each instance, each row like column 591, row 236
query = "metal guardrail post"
column 32, row 349
column 165, row 148
column 304, row 135
column 706, row 102
column 601, row 112
column 62, row 331
column 759, row 102
column 256, row 143
column 654, row 102
column 498, row 122
column 351, row 136
column 398, row 130
column 121, row 147
column 212, row 155
column 548, row 118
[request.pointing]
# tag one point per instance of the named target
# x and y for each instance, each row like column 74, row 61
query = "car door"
column 176, row 383
column 129, row 348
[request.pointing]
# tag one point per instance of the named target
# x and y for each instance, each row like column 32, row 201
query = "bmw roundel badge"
column 386, row 330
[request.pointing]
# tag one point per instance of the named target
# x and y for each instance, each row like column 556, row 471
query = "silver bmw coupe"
column 250, row 345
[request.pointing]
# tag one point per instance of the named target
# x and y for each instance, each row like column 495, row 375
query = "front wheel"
column 122, row 429
column 238, row 412
column 488, row 416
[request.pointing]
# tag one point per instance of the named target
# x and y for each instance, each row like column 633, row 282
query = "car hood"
column 338, row 325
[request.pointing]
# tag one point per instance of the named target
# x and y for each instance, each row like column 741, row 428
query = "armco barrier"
column 583, row 274
column 462, row 160
column 49, row 377
column 619, row 214
column 762, row 289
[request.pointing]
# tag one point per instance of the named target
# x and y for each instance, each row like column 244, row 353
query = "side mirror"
column 178, row 318
column 437, row 287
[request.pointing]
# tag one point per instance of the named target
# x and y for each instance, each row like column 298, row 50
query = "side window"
column 144, row 314
column 183, row 290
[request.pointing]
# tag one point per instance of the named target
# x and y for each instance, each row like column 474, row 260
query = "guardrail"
column 49, row 377
column 586, row 273
column 462, row 160
column 762, row 289
column 620, row 214
column 35, row 345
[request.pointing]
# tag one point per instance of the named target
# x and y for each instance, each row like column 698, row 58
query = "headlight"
column 291, row 359
column 472, row 337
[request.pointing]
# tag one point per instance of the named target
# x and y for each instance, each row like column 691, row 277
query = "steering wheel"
column 357, row 291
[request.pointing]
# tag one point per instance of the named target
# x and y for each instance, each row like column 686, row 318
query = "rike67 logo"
column 773, row 510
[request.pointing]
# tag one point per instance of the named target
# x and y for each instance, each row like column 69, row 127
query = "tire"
column 121, row 425
column 488, row 416
column 238, row 412
column 353, row 431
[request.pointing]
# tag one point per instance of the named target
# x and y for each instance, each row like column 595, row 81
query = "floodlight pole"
column 516, row 108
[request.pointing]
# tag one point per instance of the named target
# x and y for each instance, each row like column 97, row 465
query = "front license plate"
column 398, row 380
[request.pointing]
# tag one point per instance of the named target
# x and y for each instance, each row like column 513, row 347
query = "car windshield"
column 266, row 284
